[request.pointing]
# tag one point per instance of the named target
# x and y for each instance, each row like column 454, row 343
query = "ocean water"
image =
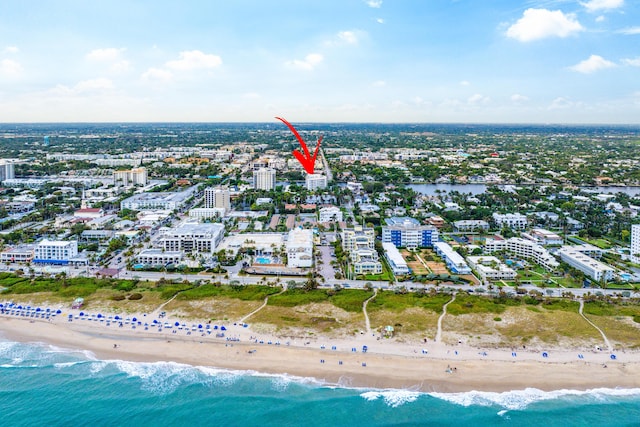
column 43, row 385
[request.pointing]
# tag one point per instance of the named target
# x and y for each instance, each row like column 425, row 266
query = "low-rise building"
column 55, row 251
column 455, row 262
column 522, row 248
column 157, row 257
column 515, row 221
column 543, row 237
column 592, row 268
column 394, row 258
column 330, row 214
column 489, row 268
column 300, row 248
column 470, row 225
column 207, row 213
column 193, row 237
column 359, row 242
column 22, row 253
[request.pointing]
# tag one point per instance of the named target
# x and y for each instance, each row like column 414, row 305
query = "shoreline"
column 386, row 365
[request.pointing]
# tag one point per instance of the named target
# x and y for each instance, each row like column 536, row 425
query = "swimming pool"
column 263, row 260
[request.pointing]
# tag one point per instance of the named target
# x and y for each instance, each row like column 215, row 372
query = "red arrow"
column 307, row 161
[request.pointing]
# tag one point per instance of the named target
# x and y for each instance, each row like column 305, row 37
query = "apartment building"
column 522, row 248
column 409, row 233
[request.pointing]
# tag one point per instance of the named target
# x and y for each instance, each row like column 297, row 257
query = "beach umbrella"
column 38, row 310
column 19, row 307
column 99, row 316
column 70, row 316
column 199, row 326
column 81, row 314
column 58, row 311
column 177, row 324
column 117, row 317
column 215, row 327
column 134, row 319
column 222, row 328
column 1, row 305
column 155, row 321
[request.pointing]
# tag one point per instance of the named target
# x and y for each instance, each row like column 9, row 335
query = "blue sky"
column 494, row 61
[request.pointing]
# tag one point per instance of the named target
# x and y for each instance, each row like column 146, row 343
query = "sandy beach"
column 428, row 367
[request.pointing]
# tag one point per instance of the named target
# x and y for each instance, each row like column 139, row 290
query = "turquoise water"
column 42, row 385
column 263, row 260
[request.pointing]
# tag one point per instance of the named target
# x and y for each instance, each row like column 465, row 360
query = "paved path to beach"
column 444, row 312
column 367, row 323
column 606, row 340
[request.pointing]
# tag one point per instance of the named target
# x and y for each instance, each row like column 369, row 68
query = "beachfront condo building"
column 159, row 257
column 330, row 214
column 359, row 242
column 522, row 248
column 591, row 267
column 635, row 243
column 405, row 232
column 264, row 179
column 396, row 261
column 455, row 262
column 193, row 238
column 300, row 248
column 490, row 269
column 55, row 251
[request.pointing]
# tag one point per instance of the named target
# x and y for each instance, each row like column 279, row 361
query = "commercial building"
column 360, row 243
column 455, row 262
column 409, row 233
column 264, row 179
column 635, row 243
column 522, row 248
column 127, row 178
column 193, row 237
column 489, row 268
column 315, row 181
column 206, row 213
column 259, row 243
column 515, row 221
column 394, row 258
column 156, row 257
column 591, row 267
column 156, row 201
column 471, row 225
column 23, row 253
column 330, row 214
column 55, row 251
column 217, row 197
column 300, row 248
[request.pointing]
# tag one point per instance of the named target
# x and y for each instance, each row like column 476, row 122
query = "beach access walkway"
column 264, row 304
column 444, row 312
column 367, row 322
column 604, row 337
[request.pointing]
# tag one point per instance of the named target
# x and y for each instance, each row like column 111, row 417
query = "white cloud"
column 561, row 103
column 348, row 37
column 633, row 62
column 380, row 21
column 110, row 55
column 465, row 83
column 595, row 5
column 157, row 74
column 517, row 98
column 107, row 54
column 83, row 87
column 308, row 63
column 630, row 31
column 11, row 49
column 592, row 64
column 376, row 4
column 538, row 24
column 476, row 99
column 10, row 67
column 194, row 60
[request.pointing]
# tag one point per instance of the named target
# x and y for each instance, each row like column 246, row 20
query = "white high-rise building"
column 136, row 176
column 635, row 243
column 264, row 179
column 315, row 181
column 55, row 251
column 6, row 170
column 218, row 197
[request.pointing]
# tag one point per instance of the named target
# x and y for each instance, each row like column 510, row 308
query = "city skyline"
column 547, row 61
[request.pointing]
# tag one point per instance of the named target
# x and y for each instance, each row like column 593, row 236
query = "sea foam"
column 521, row 399
column 392, row 398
